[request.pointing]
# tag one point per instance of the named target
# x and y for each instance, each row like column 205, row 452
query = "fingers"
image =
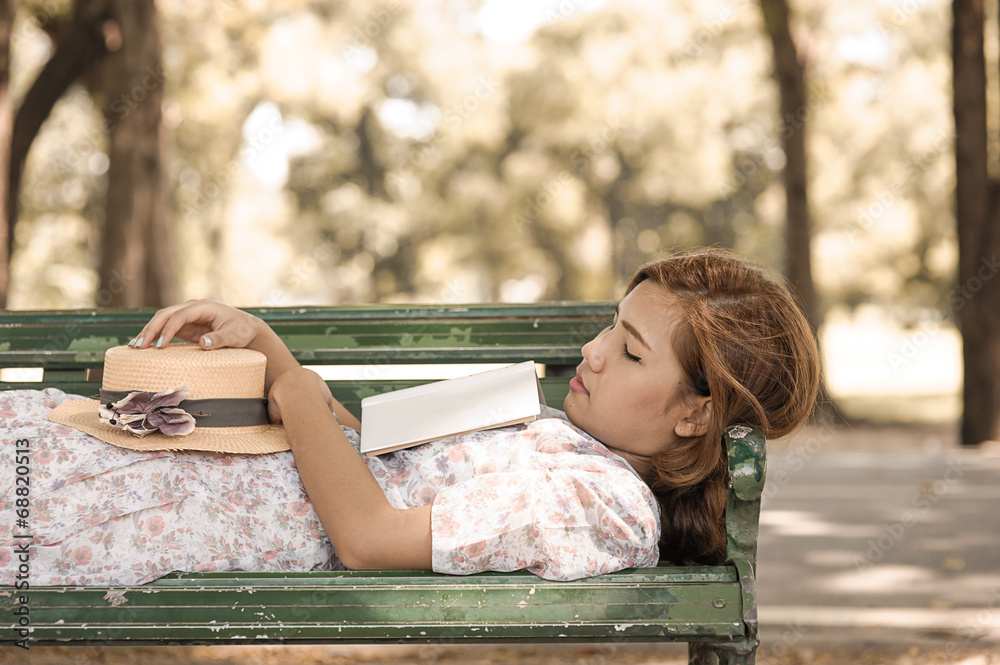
column 236, row 332
column 210, row 324
column 152, row 331
column 189, row 322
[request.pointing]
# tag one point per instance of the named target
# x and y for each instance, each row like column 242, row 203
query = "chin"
column 572, row 414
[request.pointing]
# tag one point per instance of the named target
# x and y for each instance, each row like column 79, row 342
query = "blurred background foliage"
column 461, row 150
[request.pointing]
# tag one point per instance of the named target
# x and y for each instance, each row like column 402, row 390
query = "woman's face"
column 624, row 393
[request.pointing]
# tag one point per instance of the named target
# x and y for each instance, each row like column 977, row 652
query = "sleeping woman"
column 632, row 470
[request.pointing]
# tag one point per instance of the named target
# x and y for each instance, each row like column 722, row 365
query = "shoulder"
column 555, row 423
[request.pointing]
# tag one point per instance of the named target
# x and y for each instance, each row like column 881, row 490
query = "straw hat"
column 225, row 409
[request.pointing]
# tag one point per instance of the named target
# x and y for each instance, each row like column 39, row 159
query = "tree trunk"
column 977, row 297
column 135, row 266
column 80, row 46
column 7, row 9
column 794, row 105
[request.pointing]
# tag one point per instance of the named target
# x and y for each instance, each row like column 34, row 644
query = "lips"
column 576, row 385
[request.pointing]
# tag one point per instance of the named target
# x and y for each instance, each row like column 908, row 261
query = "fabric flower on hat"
column 142, row 413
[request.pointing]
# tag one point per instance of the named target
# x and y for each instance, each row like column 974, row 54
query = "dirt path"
column 479, row 655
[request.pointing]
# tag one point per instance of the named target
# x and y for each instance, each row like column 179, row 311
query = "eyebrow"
column 629, row 327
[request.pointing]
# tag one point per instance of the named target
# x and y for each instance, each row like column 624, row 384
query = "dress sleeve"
column 558, row 524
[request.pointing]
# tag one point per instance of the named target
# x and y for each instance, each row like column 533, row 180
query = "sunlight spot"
column 878, row 579
column 408, row 118
column 831, row 558
column 362, row 58
column 803, row 523
column 517, row 20
column 868, row 48
column 867, row 353
column 264, row 149
column 529, row 289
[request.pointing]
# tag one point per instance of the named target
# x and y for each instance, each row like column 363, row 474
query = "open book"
column 416, row 415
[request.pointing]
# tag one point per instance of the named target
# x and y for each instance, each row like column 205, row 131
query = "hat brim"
column 82, row 414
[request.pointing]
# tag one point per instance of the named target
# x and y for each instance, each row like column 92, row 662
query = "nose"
column 593, row 353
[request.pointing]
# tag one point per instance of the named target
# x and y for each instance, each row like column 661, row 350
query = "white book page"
column 433, row 411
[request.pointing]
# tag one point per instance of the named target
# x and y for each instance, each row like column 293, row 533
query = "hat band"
column 220, row 412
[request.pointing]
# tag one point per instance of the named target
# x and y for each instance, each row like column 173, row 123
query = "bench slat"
column 408, row 313
column 647, row 603
column 333, row 335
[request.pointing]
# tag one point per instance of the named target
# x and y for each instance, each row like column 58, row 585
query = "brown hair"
column 742, row 339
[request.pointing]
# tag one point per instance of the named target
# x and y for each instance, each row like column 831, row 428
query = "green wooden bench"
column 713, row 608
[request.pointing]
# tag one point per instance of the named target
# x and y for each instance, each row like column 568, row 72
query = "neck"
column 643, row 464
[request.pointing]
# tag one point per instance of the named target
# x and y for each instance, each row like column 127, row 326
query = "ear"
column 695, row 419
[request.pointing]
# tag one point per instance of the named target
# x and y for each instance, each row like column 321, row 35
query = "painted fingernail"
column 207, row 341
column 132, row 342
column 159, row 342
column 138, row 342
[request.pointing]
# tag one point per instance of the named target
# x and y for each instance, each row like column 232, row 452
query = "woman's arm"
column 365, row 530
column 214, row 325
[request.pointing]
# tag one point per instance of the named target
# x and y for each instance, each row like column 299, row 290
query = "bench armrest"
column 747, row 450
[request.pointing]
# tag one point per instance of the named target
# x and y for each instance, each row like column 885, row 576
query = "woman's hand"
column 213, row 325
column 194, row 320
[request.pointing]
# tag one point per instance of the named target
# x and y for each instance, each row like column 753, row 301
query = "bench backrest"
column 69, row 346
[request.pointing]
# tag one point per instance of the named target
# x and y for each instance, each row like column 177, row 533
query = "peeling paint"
column 116, row 597
column 739, row 431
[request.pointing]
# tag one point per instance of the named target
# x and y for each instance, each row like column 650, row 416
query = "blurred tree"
column 794, row 108
column 80, row 42
column 7, row 10
column 790, row 72
column 882, row 177
column 135, row 260
column 977, row 203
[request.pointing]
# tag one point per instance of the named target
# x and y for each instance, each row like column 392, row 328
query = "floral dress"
column 542, row 496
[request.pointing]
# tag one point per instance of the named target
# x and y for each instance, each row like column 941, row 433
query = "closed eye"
column 629, row 356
